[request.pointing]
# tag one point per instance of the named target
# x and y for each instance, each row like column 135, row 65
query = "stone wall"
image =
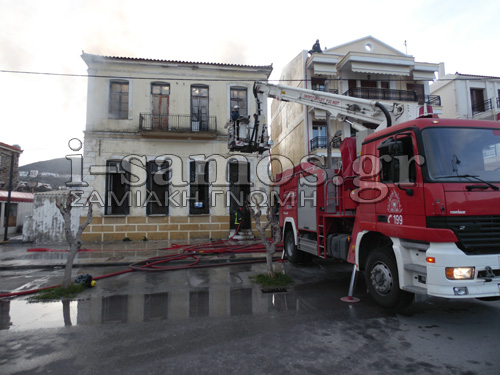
column 171, row 228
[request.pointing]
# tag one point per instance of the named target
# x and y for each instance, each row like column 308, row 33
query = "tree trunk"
column 269, row 245
column 74, row 241
column 269, row 263
column 74, row 248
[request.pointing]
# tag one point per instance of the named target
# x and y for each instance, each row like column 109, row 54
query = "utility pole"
column 7, row 206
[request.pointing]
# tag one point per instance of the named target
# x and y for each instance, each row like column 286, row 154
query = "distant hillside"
column 59, row 165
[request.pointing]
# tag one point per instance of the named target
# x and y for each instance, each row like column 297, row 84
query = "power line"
column 468, row 77
column 124, row 77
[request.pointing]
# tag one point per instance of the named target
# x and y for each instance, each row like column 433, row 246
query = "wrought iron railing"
column 382, row 94
column 322, row 88
column 482, row 107
column 177, row 123
column 318, row 142
column 434, row 100
column 393, row 95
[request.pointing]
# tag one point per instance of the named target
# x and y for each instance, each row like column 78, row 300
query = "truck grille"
column 476, row 234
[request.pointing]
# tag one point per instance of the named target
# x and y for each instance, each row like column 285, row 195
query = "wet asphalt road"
column 214, row 321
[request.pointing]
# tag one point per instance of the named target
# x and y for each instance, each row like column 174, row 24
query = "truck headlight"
column 460, row 273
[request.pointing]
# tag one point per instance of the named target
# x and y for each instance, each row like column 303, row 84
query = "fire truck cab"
column 415, row 204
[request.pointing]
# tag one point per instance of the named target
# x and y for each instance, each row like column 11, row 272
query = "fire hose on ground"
column 193, row 252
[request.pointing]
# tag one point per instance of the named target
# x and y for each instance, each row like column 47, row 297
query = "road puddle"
column 136, row 308
column 23, row 315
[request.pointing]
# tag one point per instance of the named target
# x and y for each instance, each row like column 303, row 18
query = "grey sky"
column 42, row 113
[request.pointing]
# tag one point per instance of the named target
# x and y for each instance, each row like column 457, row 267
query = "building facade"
column 364, row 68
column 9, row 165
column 14, row 205
column 156, row 160
column 466, row 96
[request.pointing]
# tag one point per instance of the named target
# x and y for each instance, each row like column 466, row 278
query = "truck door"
column 402, row 207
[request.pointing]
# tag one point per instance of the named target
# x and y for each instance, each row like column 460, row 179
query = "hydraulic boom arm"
column 247, row 137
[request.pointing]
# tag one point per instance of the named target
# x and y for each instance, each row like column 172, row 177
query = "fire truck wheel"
column 293, row 254
column 381, row 274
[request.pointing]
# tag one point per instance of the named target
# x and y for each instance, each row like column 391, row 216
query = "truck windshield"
column 453, row 153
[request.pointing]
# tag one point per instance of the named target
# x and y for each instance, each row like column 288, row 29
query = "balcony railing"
column 177, row 123
column 434, row 100
column 382, row 94
column 318, row 142
column 482, row 107
column 392, row 95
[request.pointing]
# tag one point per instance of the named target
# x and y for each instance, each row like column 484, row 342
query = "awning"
column 419, row 75
column 322, row 68
column 373, row 68
column 16, row 196
column 425, row 71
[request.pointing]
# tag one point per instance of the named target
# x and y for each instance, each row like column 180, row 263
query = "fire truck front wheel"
column 293, row 254
column 381, row 274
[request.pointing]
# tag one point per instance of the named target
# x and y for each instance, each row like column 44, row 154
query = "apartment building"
column 364, row 68
column 468, row 96
column 156, row 160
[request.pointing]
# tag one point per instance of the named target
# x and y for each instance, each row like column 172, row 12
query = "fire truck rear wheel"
column 293, row 254
column 382, row 280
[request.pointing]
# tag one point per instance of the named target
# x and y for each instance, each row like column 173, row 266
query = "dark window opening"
column 318, row 84
column 160, row 98
column 157, row 187
column 397, row 159
column 477, row 100
column 418, row 88
column 117, row 187
column 369, row 84
column 199, row 188
column 239, row 98
column 199, row 108
column 118, row 99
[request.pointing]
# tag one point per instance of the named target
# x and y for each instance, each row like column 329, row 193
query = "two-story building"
column 467, row 96
column 155, row 152
column 14, row 205
column 365, row 68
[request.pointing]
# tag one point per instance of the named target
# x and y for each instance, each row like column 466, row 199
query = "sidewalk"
column 19, row 255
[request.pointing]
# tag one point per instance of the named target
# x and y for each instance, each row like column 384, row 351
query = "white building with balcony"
column 155, row 152
column 364, row 68
column 467, row 96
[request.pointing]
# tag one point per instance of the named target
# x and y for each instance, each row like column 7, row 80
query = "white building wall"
column 115, row 139
column 46, row 225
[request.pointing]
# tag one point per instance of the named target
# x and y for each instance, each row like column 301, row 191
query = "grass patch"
column 58, row 293
column 267, row 281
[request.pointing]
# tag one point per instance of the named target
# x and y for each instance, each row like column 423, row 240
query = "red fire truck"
column 415, row 205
